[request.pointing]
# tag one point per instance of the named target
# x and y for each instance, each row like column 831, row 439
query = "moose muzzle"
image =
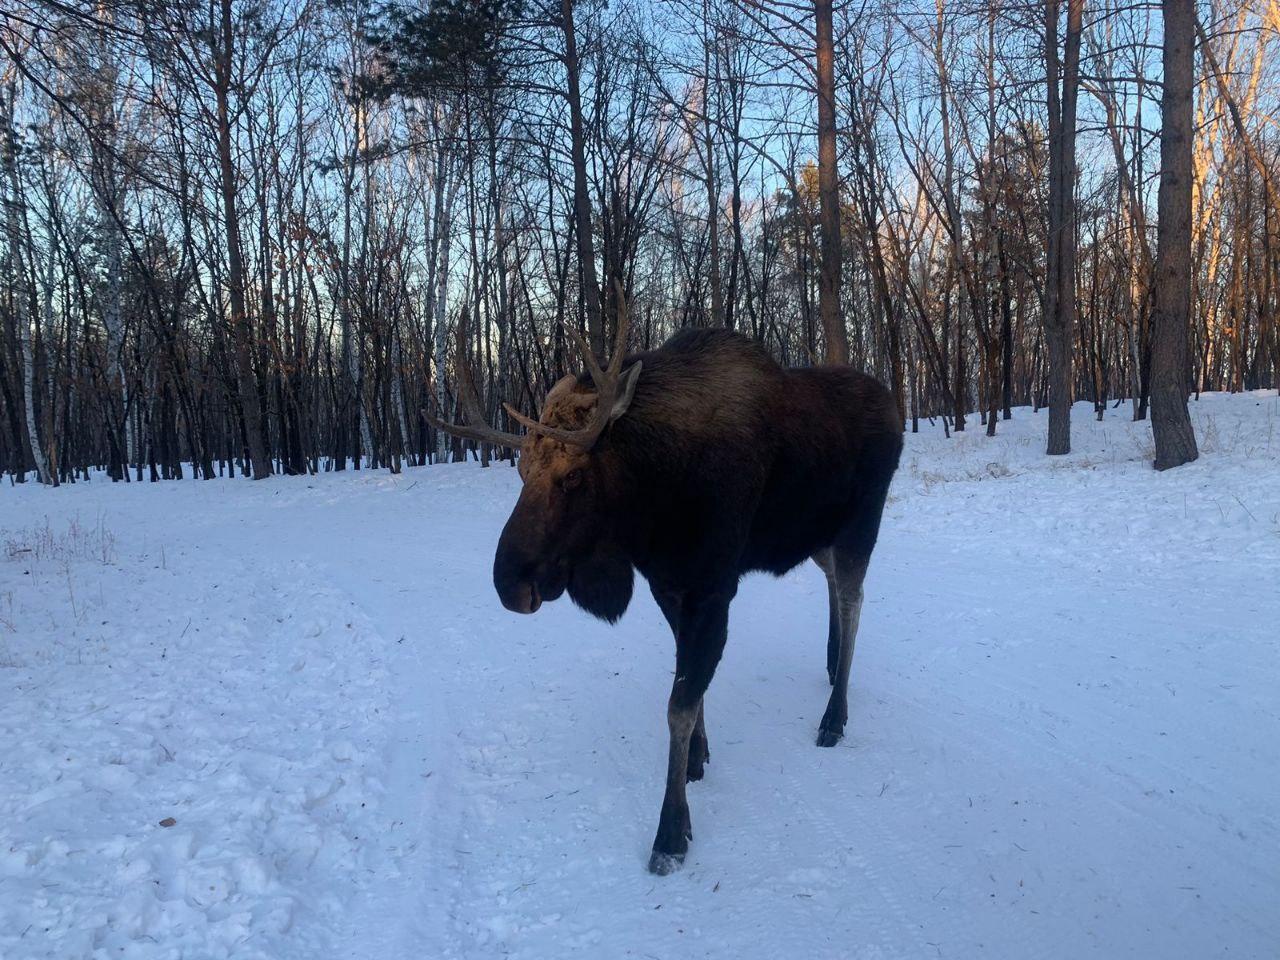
column 521, row 576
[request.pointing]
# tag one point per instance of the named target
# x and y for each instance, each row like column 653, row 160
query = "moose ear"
column 626, row 390
column 564, row 385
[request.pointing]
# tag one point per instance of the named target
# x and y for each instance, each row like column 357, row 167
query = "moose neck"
column 639, row 464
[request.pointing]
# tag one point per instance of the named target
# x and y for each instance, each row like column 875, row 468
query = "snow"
column 1064, row 736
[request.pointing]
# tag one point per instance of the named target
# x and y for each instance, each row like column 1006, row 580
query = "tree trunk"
column 13, row 227
column 1060, row 277
column 241, row 330
column 581, row 198
column 837, row 340
column 1171, row 321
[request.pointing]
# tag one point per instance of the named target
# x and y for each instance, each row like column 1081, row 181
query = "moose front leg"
column 670, row 603
column 700, row 637
column 675, row 829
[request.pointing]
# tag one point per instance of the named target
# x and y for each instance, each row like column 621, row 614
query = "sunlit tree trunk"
column 833, row 331
column 1170, row 423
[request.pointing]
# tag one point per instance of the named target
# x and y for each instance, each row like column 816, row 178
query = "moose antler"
column 607, row 383
column 475, row 428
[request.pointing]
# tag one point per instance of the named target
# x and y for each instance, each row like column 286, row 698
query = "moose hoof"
column 675, row 830
column 662, row 864
column 828, row 737
column 699, row 757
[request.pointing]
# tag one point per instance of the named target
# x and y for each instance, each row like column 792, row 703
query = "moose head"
column 562, row 533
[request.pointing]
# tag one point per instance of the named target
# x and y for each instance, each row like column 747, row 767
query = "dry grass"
column 41, row 543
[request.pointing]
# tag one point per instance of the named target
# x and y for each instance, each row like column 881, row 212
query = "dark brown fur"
column 723, row 463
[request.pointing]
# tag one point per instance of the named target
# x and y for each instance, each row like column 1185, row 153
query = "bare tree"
column 835, row 336
column 1060, row 256
column 1170, row 422
column 225, row 259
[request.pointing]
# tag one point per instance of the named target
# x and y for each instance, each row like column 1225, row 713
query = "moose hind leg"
column 699, row 752
column 850, row 571
column 826, row 560
column 833, row 633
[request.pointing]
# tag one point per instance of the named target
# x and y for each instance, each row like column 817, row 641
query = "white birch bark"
column 13, row 231
column 446, row 187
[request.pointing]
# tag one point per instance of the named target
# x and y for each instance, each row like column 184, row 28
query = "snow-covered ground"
column 290, row 720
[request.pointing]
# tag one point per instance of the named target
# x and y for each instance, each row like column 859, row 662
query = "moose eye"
column 571, row 480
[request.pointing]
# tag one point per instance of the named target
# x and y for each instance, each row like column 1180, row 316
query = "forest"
column 370, row 693
column 241, row 237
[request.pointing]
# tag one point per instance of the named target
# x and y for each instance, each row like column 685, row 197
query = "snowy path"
column 1059, row 744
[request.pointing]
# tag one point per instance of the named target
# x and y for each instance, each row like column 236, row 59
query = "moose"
column 694, row 463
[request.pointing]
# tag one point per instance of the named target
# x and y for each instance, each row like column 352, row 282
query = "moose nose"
column 515, row 582
column 523, row 599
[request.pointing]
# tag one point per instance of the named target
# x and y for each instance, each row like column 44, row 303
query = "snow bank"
column 192, row 744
